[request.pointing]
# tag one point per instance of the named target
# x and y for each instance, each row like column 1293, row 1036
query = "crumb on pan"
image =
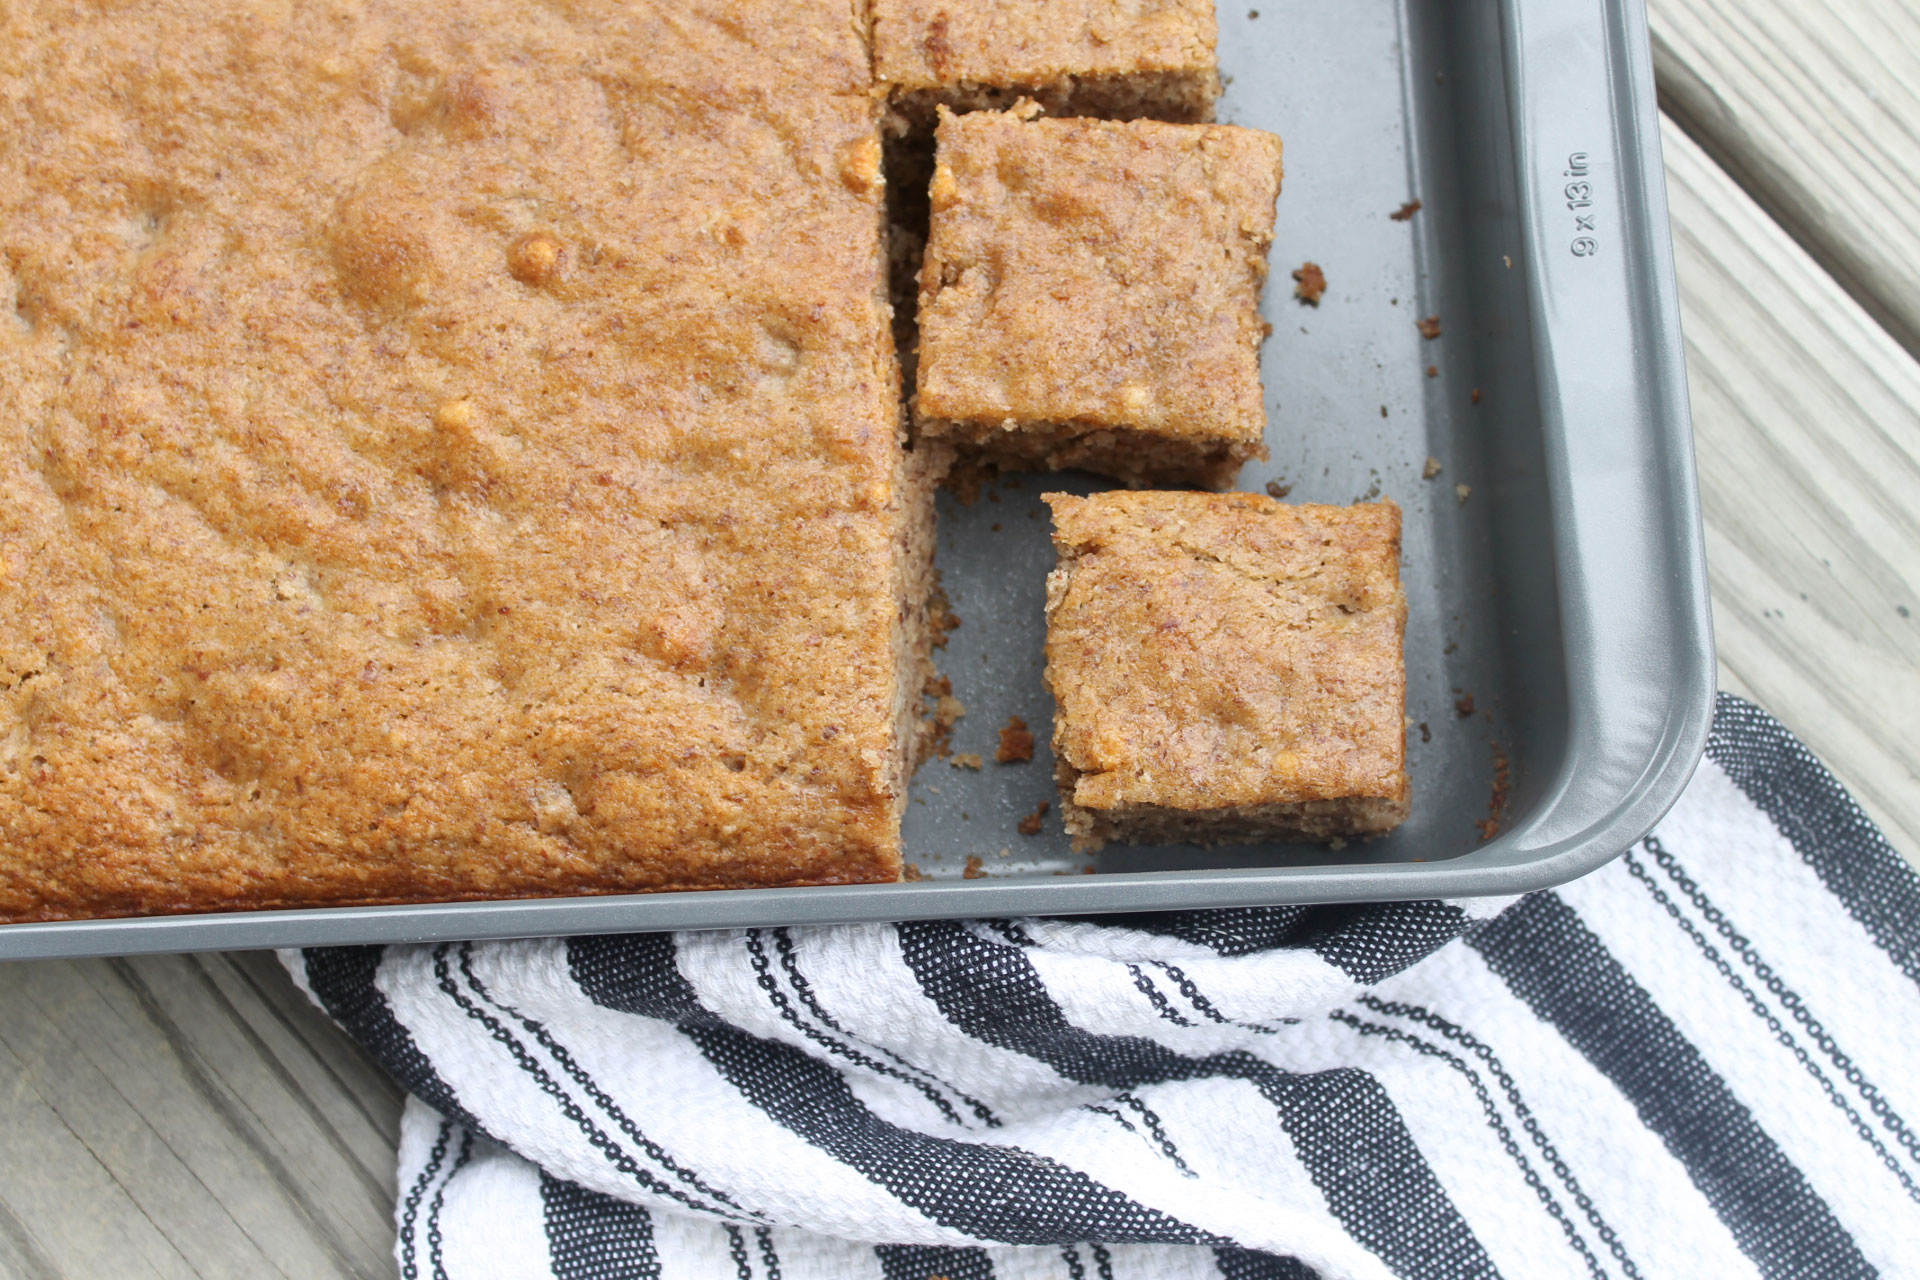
column 1406, row 211
column 1031, row 824
column 1432, row 468
column 973, row 870
column 1463, row 492
column 1275, row 489
column 1497, row 803
column 1312, row 283
column 1016, row 742
column 1475, row 397
column 941, row 619
column 944, row 713
column 1463, row 705
column 1430, row 328
column 1433, row 371
column 911, row 872
column 966, row 760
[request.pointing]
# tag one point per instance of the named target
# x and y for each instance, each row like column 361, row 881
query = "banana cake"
column 452, row 449
column 1090, row 295
column 1226, row 668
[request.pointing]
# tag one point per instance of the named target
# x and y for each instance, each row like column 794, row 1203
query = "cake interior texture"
column 451, row 450
column 1090, row 295
column 1226, row 668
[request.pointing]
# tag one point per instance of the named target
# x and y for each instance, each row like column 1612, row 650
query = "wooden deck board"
column 1813, row 106
column 1807, row 425
column 187, row 1115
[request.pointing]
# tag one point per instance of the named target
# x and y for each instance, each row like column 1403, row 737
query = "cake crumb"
column 966, row 760
column 941, row 619
column 1475, row 397
column 1463, row 492
column 1383, row 411
column 911, row 872
column 1433, row 371
column 1426, row 734
column 945, row 711
column 1509, row 261
column 1406, row 211
column 1031, row 824
column 1432, row 468
column 1463, row 705
column 1277, row 490
column 1312, row 283
column 1016, row 742
column 1337, row 843
column 1005, row 852
column 973, row 870
column 1497, row 803
column 1430, row 328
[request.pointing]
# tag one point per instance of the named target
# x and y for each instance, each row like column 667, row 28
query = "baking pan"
column 1560, row 665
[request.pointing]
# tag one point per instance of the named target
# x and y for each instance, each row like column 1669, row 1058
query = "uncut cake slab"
column 450, row 450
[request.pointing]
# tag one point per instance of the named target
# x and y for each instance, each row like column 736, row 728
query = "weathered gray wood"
column 1813, row 106
column 1807, row 422
column 183, row 1116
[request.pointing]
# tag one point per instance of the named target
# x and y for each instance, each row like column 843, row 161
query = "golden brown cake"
column 1090, row 295
column 448, row 449
column 1226, row 668
column 1121, row 59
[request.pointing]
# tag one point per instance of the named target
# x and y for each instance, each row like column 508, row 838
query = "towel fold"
column 1700, row 1061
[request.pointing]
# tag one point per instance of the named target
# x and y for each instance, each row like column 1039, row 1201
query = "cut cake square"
column 1118, row 59
column 1090, row 295
column 1226, row 668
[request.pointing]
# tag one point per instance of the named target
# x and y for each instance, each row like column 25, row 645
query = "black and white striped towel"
column 1702, row 1061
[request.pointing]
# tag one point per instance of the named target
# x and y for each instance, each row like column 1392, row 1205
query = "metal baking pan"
column 1566, row 594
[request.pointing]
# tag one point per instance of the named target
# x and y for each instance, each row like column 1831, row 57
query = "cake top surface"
column 928, row 44
column 1210, row 651
column 450, row 450
column 1096, row 272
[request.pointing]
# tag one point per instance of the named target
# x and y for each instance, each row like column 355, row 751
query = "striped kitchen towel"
column 1702, row 1061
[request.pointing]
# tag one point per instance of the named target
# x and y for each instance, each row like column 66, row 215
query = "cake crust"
column 495, row 491
column 1090, row 295
column 1226, row 667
